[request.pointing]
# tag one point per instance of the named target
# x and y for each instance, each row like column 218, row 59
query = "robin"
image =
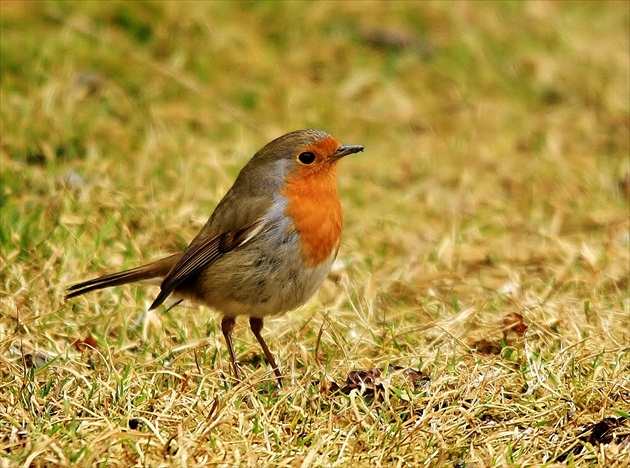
column 269, row 244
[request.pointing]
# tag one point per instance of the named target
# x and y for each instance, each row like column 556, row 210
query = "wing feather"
column 201, row 253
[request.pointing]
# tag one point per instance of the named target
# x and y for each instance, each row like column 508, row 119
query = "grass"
column 479, row 311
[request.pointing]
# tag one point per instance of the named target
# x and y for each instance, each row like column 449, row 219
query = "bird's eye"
column 306, row 157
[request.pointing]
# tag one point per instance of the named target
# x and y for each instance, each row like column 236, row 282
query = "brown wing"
column 200, row 254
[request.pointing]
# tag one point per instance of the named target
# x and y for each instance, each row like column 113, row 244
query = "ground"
column 478, row 313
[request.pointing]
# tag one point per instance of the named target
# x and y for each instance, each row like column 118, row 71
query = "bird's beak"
column 346, row 150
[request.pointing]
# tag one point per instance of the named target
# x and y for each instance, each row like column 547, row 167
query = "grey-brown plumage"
column 267, row 247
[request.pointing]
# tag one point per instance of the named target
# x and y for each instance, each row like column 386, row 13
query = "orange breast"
column 316, row 212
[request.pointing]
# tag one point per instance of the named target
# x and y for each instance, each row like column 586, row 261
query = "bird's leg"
column 256, row 325
column 227, row 325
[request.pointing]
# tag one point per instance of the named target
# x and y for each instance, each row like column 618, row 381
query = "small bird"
column 269, row 244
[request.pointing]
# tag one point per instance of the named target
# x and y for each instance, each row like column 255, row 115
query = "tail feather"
column 157, row 269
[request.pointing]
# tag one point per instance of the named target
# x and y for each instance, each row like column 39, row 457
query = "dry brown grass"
column 486, row 240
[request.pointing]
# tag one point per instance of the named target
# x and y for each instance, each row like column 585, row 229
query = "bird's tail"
column 155, row 270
